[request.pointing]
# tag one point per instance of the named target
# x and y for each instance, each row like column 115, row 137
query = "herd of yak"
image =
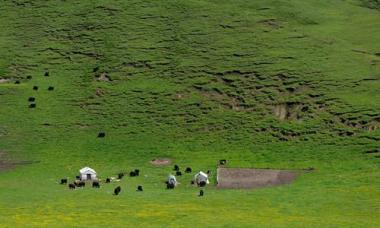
column 78, row 183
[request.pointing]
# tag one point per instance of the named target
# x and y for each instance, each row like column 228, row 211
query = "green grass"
column 195, row 81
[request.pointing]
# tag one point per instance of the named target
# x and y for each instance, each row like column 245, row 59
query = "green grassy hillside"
column 264, row 84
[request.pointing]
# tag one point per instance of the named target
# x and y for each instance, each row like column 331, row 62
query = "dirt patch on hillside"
column 254, row 178
column 161, row 161
column 7, row 164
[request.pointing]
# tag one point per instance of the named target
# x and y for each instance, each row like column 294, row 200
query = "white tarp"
column 172, row 180
column 201, row 177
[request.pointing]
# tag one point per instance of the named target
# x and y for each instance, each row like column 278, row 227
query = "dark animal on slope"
column 137, row 172
column 80, row 184
column 222, row 162
column 51, row 88
column 46, row 73
column 95, row 184
column 170, row 185
column 32, row 105
column 201, row 193
column 176, row 168
column 77, row 177
column 117, row 190
column 132, row 174
column 120, row 175
column 208, row 172
column 64, row 181
column 17, row 82
column 192, row 182
column 178, row 173
column 202, row 184
column 29, row 77
column 101, row 135
column 35, row 87
column 31, row 99
column 188, row 170
column 108, row 180
column 71, row 186
column 139, row 188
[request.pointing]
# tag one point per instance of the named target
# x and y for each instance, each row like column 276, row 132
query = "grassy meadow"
column 264, row 84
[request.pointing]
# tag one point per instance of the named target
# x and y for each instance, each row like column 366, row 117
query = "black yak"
column 137, row 172
column 202, row 184
column 178, row 173
column 35, row 87
column 95, row 184
column 132, row 174
column 29, row 77
column 139, row 188
column 71, row 186
column 117, row 190
column 222, row 162
column 188, row 170
column 108, row 180
column 31, row 99
column 51, row 88
column 64, row 181
column 32, row 105
column 201, row 193
column 101, row 135
column 46, row 73
column 176, row 168
column 17, row 82
column 170, row 185
column 120, row 175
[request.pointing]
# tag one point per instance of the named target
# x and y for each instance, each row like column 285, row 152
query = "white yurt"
column 172, row 180
column 201, row 179
column 87, row 173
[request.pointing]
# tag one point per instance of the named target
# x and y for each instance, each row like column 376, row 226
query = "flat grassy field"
column 262, row 83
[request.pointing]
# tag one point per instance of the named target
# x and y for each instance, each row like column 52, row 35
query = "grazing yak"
column 139, row 188
column 108, row 180
column 120, row 176
column 101, row 135
column 35, row 87
column 32, row 105
column 31, row 99
column 132, row 174
column 188, row 170
column 95, row 184
column 201, row 193
column 117, row 190
column 71, row 186
column 222, row 162
column 178, row 173
column 17, row 82
column 64, row 181
column 137, row 172
column 28, row 77
column 51, row 88
column 176, row 168
column 46, row 73
column 79, row 184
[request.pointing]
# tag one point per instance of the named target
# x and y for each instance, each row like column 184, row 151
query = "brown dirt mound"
column 161, row 161
column 253, row 178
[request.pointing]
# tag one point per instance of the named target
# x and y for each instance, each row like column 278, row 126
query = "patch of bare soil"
column 253, row 178
column 6, row 164
column 161, row 161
